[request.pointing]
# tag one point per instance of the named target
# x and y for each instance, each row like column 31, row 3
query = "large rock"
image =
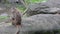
column 34, row 9
column 41, row 8
column 35, row 24
column 45, row 7
column 54, row 3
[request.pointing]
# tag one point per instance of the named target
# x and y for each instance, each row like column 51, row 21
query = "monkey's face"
column 14, row 21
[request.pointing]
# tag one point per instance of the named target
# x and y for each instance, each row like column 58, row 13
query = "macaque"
column 16, row 18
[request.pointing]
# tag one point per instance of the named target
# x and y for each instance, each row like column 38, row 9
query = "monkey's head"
column 13, row 10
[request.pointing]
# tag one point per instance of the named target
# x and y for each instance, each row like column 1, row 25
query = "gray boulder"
column 41, row 8
column 54, row 3
column 36, row 24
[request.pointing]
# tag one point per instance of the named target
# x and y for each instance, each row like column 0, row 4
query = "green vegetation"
column 37, row 1
column 3, row 17
column 22, row 8
column 34, row 1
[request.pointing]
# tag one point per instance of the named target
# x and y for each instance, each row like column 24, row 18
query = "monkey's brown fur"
column 16, row 18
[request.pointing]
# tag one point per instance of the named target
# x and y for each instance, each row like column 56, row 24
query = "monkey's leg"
column 18, row 29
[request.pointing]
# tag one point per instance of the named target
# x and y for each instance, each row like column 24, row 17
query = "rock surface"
column 34, row 23
column 54, row 3
column 49, row 7
column 40, row 8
